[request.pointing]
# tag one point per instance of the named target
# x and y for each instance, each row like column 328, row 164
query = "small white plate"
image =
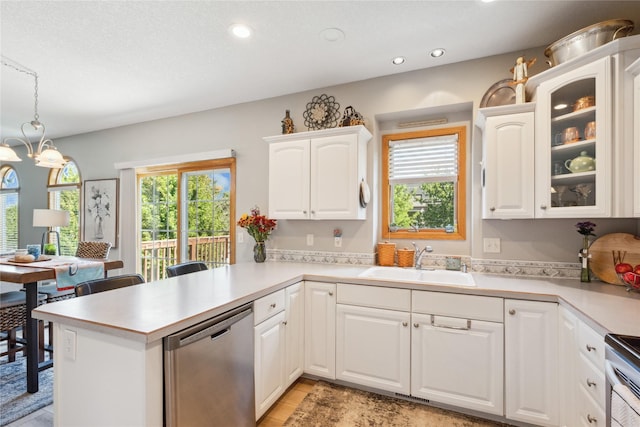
column 365, row 194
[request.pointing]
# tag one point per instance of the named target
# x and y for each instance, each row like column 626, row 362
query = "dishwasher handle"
column 214, row 328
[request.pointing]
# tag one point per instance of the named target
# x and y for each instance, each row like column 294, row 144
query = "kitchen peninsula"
column 111, row 357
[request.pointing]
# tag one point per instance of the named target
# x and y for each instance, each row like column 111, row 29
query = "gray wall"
column 241, row 127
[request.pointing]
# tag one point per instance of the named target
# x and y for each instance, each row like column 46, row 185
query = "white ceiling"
column 103, row 64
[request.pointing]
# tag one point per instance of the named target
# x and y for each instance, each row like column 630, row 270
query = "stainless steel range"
column 622, row 365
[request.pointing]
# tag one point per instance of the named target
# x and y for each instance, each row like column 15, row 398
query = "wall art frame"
column 100, row 210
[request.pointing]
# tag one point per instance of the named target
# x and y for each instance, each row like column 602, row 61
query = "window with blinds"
column 424, row 183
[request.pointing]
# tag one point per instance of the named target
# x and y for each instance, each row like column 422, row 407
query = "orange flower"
column 258, row 226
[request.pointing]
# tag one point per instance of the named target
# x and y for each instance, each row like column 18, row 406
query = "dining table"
column 29, row 274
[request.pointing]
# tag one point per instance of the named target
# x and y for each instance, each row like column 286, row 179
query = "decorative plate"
column 365, row 194
column 500, row 93
column 322, row 112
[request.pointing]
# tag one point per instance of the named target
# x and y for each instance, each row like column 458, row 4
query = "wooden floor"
column 284, row 407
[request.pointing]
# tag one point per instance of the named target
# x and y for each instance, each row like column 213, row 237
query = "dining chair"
column 185, row 268
column 95, row 250
column 107, row 284
column 13, row 316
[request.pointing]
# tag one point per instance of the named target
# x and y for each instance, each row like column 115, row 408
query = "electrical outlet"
column 491, row 245
column 309, row 239
column 240, row 237
column 69, row 344
column 337, row 242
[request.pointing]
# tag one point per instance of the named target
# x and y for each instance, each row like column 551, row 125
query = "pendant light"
column 46, row 154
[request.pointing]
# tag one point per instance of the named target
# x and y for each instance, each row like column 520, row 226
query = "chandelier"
column 45, row 153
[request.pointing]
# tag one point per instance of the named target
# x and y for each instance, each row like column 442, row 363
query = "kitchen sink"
column 433, row 277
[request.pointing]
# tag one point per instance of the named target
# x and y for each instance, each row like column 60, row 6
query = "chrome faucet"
column 419, row 253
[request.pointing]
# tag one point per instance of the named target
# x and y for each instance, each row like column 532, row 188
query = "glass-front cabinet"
column 573, row 143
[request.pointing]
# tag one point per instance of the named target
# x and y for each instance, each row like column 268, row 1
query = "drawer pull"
column 512, row 312
column 330, row 293
column 404, row 323
column 460, row 328
column 416, row 325
column 590, row 383
column 272, row 305
column 590, row 347
column 591, row 419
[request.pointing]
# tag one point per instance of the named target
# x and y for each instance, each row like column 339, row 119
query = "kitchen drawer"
column 457, row 305
column 591, row 345
column 589, row 412
column 267, row 306
column 375, row 297
column 592, row 380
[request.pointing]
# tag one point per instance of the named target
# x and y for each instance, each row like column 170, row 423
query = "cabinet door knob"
column 284, row 323
column 416, row 325
column 273, row 305
column 590, row 383
column 304, row 212
column 512, row 312
column 590, row 347
column 591, row 419
column 404, row 323
column 543, row 207
column 492, row 209
column 330, row 293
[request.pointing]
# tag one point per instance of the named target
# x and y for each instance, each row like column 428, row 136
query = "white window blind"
column 430, row 159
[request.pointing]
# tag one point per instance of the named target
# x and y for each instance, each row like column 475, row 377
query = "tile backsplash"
column 502, row 267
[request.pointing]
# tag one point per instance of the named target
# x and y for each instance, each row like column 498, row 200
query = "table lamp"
column 50, row 218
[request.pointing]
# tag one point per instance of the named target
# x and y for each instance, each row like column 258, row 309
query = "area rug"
column 15, row 402
column 330, row 405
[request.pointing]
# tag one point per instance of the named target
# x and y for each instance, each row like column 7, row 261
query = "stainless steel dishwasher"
column 208, row 372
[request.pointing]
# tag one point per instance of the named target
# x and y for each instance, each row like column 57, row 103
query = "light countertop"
column 151, row 311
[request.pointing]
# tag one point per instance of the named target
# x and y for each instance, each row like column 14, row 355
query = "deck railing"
column 157, row 255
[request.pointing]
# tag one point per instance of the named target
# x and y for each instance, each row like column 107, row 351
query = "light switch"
column 491, row 245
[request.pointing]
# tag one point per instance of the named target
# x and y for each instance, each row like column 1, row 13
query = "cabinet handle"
column 284, row 322
column 416, row 325
column 492, row 209
column 304, row 212
column 590, row 347
column 591, row 419
column 512, row 312
column 543, row 207
column 460, row 328
column 273, row 305
column 404, row 323
column 330, row 293
column 590, row 383
column 313, row 212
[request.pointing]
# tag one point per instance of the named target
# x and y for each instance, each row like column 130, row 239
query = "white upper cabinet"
column 573, row 165
column 634, row 71
column 508, row 161
column 318, row 174
column 584, row 150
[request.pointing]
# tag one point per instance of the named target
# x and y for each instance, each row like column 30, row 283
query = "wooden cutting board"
column 603, row 249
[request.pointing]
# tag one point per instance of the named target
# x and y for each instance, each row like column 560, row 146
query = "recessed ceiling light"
column 437, row 53
column 332, row 34
column 398, row 60
column 241, row 31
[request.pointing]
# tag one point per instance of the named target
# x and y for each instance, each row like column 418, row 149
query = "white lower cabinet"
column 531, row 362
column 278, row 344
column 320, row 329
column 457, row 359
column 294, row 332
column 269, row 362
column 583, row 383
column 373, row 344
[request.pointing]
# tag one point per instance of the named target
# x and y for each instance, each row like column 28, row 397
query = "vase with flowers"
column 586, row 229
column 259, row 227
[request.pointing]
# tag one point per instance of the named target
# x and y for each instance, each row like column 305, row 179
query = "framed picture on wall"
column 100, row 222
